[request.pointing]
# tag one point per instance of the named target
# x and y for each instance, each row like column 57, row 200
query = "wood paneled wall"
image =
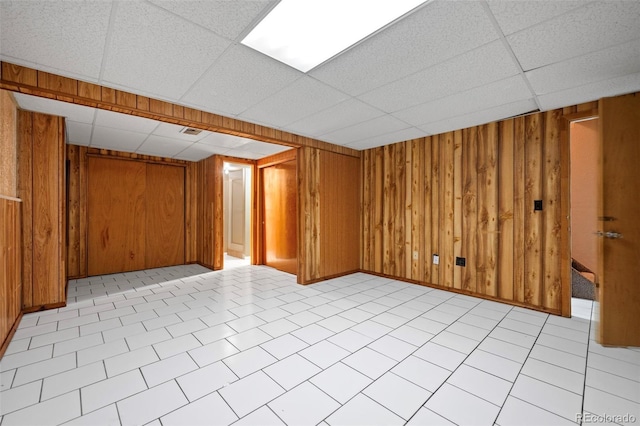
column 30, row 81
column 328, row 215
column 78, row 216
column 470, row 194
column 10, row 237
column 210, row 216
column 41, row 186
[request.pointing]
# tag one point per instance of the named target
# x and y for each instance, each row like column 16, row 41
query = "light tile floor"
column 248, row 346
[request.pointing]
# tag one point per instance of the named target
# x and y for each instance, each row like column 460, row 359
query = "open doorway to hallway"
column 237, row 190
column 585, row 176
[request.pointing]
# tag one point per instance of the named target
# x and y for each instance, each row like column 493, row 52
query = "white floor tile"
column 372, row 329
column 284, row 346
column 245, row 323
column 551, row 398
column 130, row 361
column 515, row 337
column 248, row 339
column 440, row 355
column 517, row 412
column 469, row 331
column 447, row 402
column 262, row 416
column 279, row 327
column 6, row 379
column 202, row 412
column 481, row 384
column 324, row 354
column 370, row 363
column 147, row 339
column 356, row 315
column 312, row 333
column 249, row 361
column 559, row 358
column 292, row 371
column 441, row 316
column 175, row 346
column 151, row 404
column 566, row 333
column 341, row 382
column 504, row 349
column 615, row 385
column 393, row 348
column 336, row 323
column 411, row 335
column 494, row 364
column 362, row 410
column 111, row 390
column 602, row 404
column 570, row 346
column 422, row 373
column 54, row 337
column 398, row 395
column 456, row 342
column 206, row 380
column 167, row 369
column 428, row 417
column 20, row 397
column 71, row 380
column 123, row 332
column 100, row 352
column 350, row 340
column 53, row 411
column 614, row 366
column 554, row 375
column 251, row 392
column 303, row 405
column 212, row 352
column 43, row 369
column 74, row 345
column 427, row 325
column 106, row 416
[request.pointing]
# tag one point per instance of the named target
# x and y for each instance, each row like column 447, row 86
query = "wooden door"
column 164, row 227
column 237, row 215
column 280, row 216
column 619, row 295
column 117, row 219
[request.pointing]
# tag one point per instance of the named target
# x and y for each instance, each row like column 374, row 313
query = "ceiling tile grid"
column 446, row 65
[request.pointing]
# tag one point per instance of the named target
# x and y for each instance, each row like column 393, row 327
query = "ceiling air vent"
column 190, row 131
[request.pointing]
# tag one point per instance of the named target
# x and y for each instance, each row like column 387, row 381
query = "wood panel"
column 26, row 80
column 280, row 216
column 165, row 215
column 472, row 194
column 8, row 145
column 10, row 268
column 117, row 212
column 308, row 171
column 41, row 186
column 339, row 192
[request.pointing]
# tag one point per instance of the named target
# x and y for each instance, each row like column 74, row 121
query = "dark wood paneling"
column 165, row 216
column 117, row 212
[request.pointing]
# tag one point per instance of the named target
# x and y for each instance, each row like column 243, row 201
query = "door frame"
column 565, row 229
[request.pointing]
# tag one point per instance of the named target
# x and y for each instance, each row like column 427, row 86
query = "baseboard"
column 44, row 307
column 329, row 277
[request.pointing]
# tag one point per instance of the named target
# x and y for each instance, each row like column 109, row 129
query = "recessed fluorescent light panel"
column 305, row 33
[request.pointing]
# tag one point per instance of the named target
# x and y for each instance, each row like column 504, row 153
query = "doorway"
column 585, row 160
column 237, row 190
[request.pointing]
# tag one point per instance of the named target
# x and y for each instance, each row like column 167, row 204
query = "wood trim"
column 16, row 78
column 281, row 157
column 44, row 307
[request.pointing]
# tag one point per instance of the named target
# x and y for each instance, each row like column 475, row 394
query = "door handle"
column 609, row 234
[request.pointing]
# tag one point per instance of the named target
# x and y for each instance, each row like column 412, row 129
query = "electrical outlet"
column 461, row 261
column 415, row 255
column 436, row 259
column 537, row 205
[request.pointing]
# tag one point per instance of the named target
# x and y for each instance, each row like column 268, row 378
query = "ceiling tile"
column 174, row 131
column 156, row 52
column 432, row 34
column 245, row 154
column 198, row 151
column 368, row 129
column 238, row 80
column 78, row 113
column 608, row 63
column 347, row 113
column 501, row 92
column 514, row 16
column 116, row 139
column 67, row 36
column 263, row 148
column 162, row 147
column 128, row 122
column 591, row 91
column 78, row 133
column 483, row 65
column 300, row 99
column 226, row 18
column 389, row 138
column 481, row 117
column 587, row 29
column 223, row 140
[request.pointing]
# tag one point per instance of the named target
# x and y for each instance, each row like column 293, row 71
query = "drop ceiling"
column 446, row 65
